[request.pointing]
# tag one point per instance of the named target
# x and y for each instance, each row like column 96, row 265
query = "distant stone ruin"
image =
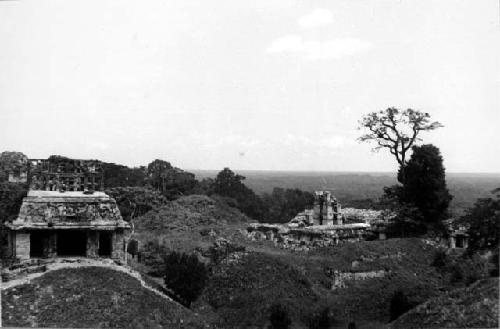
column 458, row 236
column 321, row 226
column 326, row 209
column 66, row 213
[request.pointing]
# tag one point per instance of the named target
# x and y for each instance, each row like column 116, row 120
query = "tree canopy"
column 422, row 201
column 483, row 220
column 425, row 183
column 170, row 181
column 284, row 204
column 229, row 184
column 396, row 130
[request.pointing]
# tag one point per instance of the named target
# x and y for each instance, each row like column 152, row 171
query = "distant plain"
column 352, row 188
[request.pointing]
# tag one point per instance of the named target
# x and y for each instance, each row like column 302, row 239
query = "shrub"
column 185, row 275
column 399, row 305
column 223, row 248
column 494, row 264
column 322, row 320
column 440, row 260
column 279, row 317
column 456, row 274
column 468, row 270
column 133, row 247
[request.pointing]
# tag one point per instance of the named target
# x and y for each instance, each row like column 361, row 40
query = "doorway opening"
column 72, row 243
column 105, row 244
column 37, row 241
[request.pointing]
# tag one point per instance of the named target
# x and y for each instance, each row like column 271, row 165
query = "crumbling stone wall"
column 64, row 174
column 340, row 279
column 303, row 239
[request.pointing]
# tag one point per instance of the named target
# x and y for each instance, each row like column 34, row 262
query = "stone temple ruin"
column 318, row 227
column 66, row 213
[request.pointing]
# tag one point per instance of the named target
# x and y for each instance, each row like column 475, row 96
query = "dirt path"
column 83, row 262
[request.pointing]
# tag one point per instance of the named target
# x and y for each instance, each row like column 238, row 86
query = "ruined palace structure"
column 66, row 213
column 318, row 227
column 326, row 209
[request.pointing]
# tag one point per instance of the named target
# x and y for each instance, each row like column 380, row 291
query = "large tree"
column 425, row 184
column 229, row 184
column 396, row 130
column 170, row 181
column 422, row 201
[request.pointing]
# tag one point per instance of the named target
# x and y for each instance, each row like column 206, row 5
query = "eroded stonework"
column 321, row 226
column 64, row 215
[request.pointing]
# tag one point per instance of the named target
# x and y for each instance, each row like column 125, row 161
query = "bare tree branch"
column 395, row 130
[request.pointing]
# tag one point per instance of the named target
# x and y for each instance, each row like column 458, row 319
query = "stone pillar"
column 22, row 245
column 452, row 241
column 117, row 245
column 92, row 244
column 52, row 244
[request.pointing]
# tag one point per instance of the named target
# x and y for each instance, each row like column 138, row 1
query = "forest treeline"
column 161, row 178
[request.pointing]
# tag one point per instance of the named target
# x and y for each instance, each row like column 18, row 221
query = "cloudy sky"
column 269, row 84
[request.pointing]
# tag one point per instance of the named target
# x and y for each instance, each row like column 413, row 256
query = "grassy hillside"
column 241, row 292
column 474, row 307
column 90, row 297
column 405, row 261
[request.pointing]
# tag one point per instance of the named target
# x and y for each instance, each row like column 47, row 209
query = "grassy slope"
column 242, row 292
column 408, row 269
column 90, row 297
column 179, row 225
column 473, row 307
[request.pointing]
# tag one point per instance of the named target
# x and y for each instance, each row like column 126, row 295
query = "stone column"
column 52, row 244
column 92, row 244
column 117, row 247
column 22, row 245
column 452, row 241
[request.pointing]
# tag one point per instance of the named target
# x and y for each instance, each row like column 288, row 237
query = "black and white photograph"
column 264, row 164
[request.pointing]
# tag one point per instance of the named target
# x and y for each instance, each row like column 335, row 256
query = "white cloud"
column 317, row 18
column 314, row 50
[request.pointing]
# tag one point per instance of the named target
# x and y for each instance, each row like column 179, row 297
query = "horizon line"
column 340, row 171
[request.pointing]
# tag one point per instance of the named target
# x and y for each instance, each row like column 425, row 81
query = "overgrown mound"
column 242, row 290
column 90, row 297
column 189, row 224
column 473, row 307
column 187, row 213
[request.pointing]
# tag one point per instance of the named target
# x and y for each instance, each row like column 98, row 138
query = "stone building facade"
column 66, row 213
column 326, row 209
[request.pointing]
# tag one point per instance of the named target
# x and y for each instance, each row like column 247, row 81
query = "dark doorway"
column 72, row 243
column 105, row 244
column 37, row 241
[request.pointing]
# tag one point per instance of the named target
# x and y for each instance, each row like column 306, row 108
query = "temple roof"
column 71, row 209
